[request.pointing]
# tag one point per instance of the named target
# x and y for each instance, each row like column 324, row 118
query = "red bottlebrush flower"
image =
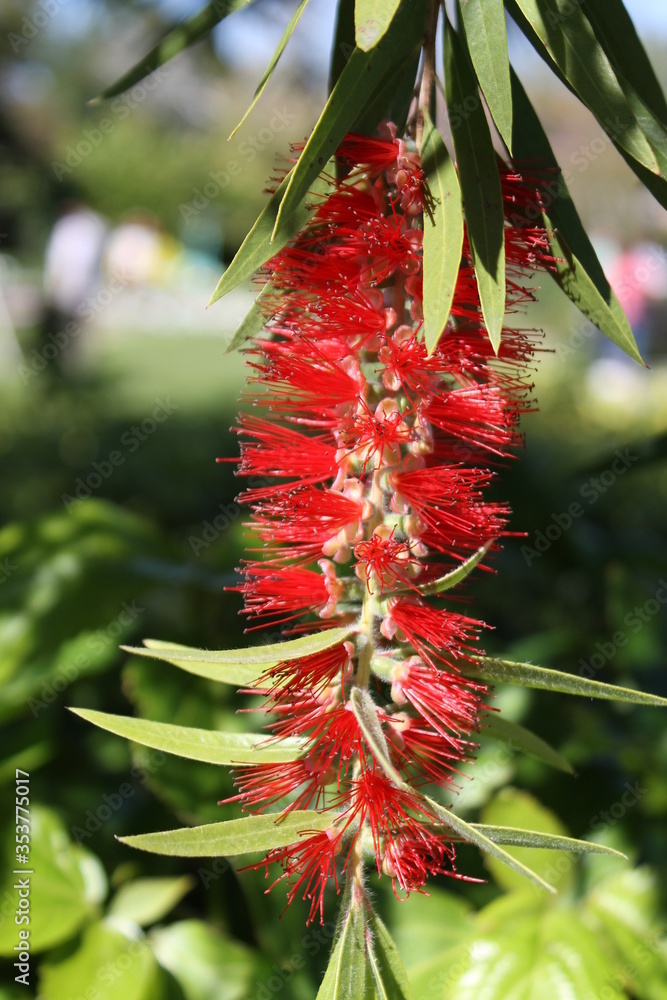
column 371, row 462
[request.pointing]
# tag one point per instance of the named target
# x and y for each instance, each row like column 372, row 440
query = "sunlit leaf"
column 235, row 836
column 196, row 744
column 144, row 901
column 486, row 35
column 366, row 714
column 527, row 674
column 391, row 980
column 480, row 182
column 179, row 38
column 450, row 580
column 371, row 21
column 284, row 39
column 347, row 972
column 443, row 234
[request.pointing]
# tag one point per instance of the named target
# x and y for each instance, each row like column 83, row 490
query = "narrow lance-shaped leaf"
column 347, row 970
column 196, row 744
column 480, row 183
column 473, row 835
column 391, row 979
column 443, row 233
column 254, row 320
column 531, row 676
column 265, row 239
column 512, row 836
column 239, row 666
column 456, row 576
column 284, row 39
column 565, row 37
column 519, row 738
column 371, row 21
column 365, row 712
column 578, row 271
column 236, row 836
column 357, row 82
column 343, row 41
column 179, row 38
column 486, row 35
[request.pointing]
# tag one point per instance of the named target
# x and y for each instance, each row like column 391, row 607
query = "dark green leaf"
column 392, row 97
column 284, row 39
column 371, row 21
column 343, row 43
column 196, row 744
column 391, row 980
column 360, row 76
column 529, row 675
column 346, row 974
column 562, row 33
column 235, row 836
column 480, row 183
column 179, row 38
column 267, row 237
column 486, row 35
column 579, row 273
column 443, row 234
column 517, row 737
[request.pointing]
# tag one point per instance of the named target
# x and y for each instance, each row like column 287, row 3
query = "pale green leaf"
column 473, row 835
column 179, row 38
column 562, row 33
column 486, row 35
column 284, row 39
column 535, row 840
column 578, row 270
column 365, row 712
column 235, row 836
column 517, row 737
column 371, row 21
column 480, row 183
column 528, row 675
column 391, row 980
column 443, row 233
column 197, row 744
column 267, row 237
column 362, row 73
column 450, row 580
column 240, row 666
column 144, row 901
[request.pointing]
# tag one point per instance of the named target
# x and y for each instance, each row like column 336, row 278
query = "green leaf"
column 371, row 21
column 526, row 949
column 450, row 580
column 357, row 82
column 536, row 840
column 486, row 35
column 472, row 834
column 144, row 901
column 107, row 964
column 179, row 38
column 346, row 974
column 343, row 42
column 268, row 236
column 562, row 33
column 579, row 272
column 284, row 39
column 196, row 744
column 480, row 183
column 239, row 666
column 208, row 965
column 529, row 675
column 391, row 980
column 391, row 98
column 519, row 738
column 365, row 712
column 443, row 233
column 67, row 885
column 235, row 836
column 254, row 321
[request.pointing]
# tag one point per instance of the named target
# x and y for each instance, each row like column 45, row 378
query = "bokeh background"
column 116, row 396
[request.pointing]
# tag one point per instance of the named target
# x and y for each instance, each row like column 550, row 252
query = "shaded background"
column 115, row 223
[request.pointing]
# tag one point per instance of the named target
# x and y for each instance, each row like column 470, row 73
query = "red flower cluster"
column 373, row 461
